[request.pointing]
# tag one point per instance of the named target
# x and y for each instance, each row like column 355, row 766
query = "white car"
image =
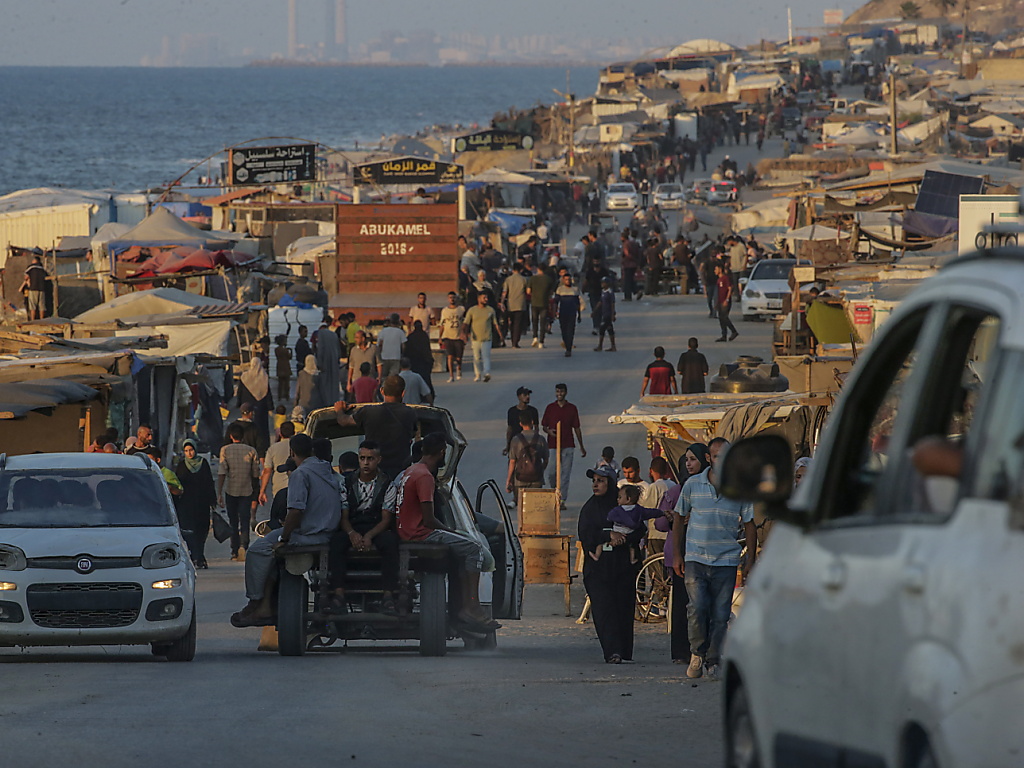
column 763, row 292
column 91, row 554
column 723, row 192
column 621, row 197
column 668, row 196
column 884, row 622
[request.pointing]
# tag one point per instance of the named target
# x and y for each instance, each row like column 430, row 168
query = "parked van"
column 884, row 622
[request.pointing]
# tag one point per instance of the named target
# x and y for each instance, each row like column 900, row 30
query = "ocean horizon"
column 132, row 128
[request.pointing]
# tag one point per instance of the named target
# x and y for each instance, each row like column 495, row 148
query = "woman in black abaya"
column 609, row 573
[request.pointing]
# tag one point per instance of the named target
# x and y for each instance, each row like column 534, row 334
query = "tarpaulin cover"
column 156, row 301
column 929, row 225
column 510, row 224
column 829, row 324
column 18, row 399
column 210, row 338
column 181, row 260
column 163, row 228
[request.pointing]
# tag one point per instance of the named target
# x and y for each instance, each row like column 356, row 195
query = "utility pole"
column 789, row 18
column 570, row 99
column 893, row 149
column 963, row 41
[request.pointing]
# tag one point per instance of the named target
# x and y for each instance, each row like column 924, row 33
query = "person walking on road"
column 693, row 369
column 660, row 375
column 522, row 406
column 237, row 474
column 451, row 341
column 610, row 579
column 328, row 360
column 513, row 296
column 198, row 495
column 390, row 343
column 539, row 289
column 606, row 311
column 481, row 323
column 562, row 412
column 569, row 308
column 694, row 461
column 725, row 289
column 283, row 359
column 708, row 561
column 528, row 457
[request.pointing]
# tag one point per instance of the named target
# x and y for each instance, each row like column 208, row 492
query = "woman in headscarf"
column 694, row 461
column 609, row 570
column 569, row 308
column 254, row 387
column 305, row 387
column 417, row 349
column 197, row 497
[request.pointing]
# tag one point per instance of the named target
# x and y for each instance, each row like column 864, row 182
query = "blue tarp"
column 510, row 224
column 184, row 209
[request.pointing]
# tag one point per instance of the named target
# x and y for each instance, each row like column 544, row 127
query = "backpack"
column 528, row 469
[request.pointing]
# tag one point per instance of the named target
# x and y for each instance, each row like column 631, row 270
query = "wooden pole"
column 558, row 460
column 893, row 149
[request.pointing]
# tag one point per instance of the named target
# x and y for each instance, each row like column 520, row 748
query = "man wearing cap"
column 522, row 406
column 390, row 341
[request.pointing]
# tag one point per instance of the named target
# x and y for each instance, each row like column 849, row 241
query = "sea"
column 133, row 128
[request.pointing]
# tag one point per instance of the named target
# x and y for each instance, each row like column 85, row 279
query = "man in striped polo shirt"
column 708, row 561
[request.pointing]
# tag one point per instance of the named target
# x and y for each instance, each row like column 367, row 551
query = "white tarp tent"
column 156, row 301
column 816, row 232
column 210, row 337
column 163, row 228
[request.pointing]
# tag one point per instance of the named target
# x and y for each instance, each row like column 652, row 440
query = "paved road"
column 544, row 697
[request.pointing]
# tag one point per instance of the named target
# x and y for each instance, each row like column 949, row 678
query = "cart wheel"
column 292, row 600
column 433, row 616
column 653, row 587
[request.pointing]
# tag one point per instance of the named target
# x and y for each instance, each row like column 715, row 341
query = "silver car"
column 91, row 554
column 669, row 196
column 621, row 197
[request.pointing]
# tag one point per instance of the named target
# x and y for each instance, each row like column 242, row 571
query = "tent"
column 156, row 301
column 163, row 228
column 19, row 398
column 186, row 259
column 863, row 135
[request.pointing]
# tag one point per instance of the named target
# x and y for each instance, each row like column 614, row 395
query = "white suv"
column 884, row 622
column 91, row 554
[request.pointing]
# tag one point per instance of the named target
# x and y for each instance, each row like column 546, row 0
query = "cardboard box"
column 539, row 512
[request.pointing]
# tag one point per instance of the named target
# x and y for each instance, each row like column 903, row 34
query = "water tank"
column 749, row 374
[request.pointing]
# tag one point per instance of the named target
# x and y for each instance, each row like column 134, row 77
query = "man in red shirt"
column 660, row 375
column 725, row 288
column 562, row 412
column 364, row 389
column 417, row 522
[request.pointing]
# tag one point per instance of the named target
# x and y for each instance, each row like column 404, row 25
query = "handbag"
column 221, row 526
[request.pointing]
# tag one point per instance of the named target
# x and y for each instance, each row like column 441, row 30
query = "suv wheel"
column 741, row 743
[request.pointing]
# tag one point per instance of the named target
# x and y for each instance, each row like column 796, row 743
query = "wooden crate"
column 546, row 561
column 539, row 512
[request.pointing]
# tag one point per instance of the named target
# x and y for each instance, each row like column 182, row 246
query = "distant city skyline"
column 235, row 32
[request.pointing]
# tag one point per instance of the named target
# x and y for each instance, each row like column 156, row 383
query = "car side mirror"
column 760, row 469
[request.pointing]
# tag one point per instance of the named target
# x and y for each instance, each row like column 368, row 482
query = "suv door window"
column 940, row 435
column 862, row 449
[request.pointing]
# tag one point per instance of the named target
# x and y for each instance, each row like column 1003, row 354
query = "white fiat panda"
column 91, row 554
column 884, row 622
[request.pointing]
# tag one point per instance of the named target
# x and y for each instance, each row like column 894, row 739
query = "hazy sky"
column 121, row 32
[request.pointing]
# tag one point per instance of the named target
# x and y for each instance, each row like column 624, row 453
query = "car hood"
column 98, row 542
column 769, row 286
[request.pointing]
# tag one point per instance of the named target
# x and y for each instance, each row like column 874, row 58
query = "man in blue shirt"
column 708, row 561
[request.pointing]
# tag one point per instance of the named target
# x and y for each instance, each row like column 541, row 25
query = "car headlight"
column 11, row 558
column 752, row 294
column 161, row 556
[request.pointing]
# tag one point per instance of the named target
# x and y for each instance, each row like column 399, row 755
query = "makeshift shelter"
column 156, row 301
column 163, row 229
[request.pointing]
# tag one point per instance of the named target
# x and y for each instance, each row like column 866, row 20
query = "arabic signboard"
column 980, row 211
column 862, row 314
column 833, row 17
column 407, row 170
column 272, row 165
column 487, row 141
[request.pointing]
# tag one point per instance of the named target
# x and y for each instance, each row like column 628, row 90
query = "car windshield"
column 93, row 498
column 670, row 189
column 768, row 270
column 621, row 188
